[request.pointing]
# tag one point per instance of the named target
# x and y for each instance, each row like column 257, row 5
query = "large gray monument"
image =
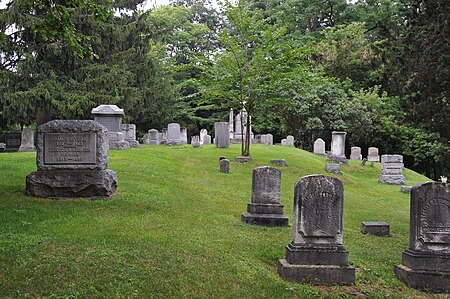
column 222, row 136
column 110, row 116
column 338, row 144
column 72, row 161
column 27, row 143
column 203, row 133
column 317, row 254
column 265, row 207
column 391, row 170
column 426, row 264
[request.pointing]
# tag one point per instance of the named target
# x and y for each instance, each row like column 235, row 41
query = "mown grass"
column 174, row 230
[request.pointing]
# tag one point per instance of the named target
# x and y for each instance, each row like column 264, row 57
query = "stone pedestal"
column 110, row 116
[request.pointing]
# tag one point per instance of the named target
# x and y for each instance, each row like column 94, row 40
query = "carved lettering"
column 70, row 148
column 321, row 215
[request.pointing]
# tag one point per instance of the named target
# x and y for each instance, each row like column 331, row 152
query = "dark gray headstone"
column 27, row 143
column 319, row 147
column 72, row 161
column 222, row 136
column 13, row 140
column 317, row 254
column 426, row 264
column 224, row 166
column 338, row 144
column 391, row 170
column 110, row 116
column 280, row 162
column 375, row 228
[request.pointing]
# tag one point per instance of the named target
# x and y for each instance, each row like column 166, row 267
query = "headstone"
column 391, row 170
column 129, row 131
column 222, row 137
column 72, row 161
column 110, row 116
column 355, row 153
column 243, row 159
column 375, row 228
column 13, row 141
column 363, row 162
column 174, row 134
column 373, row 155
column 224, row 166
column 203, row 133
column 405, row 189
column 164, row 139
column 338, row 144
column 153, row 137
column 184, row 137
column 207, row 139
column 265, row 207
column 317, row 254
column 426, row 263
column 27, row 143
column 231, row 123
column 2, row 147
column 290, row 140
column 263, row 139
column 146, row 138
column 280, row 162
column 283, row 142
column 195, row 141
column 240, row 128
column 333, row 168
column 269, row 139
column 319, row 147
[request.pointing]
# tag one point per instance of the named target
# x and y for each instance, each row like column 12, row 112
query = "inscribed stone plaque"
column 70, row 148
column 112, row 123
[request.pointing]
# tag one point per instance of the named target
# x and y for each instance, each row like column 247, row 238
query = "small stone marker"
column 265, row 208
column 373, row 155
column 426, row 263
column 319, row 147
column 355, row 153
column 405, row 189
column 317, row 254
column 224, row 166
column 283, row 142
column 391, row 170
column 72, row 161
column 290, row 140
column 27, row 144
column 13, row 141
column 222, row 136
column 243, row 159
column 174, row 134
column 207, row 139
column 333, row 168
column 129, row 131
column 146, row 138
column 375, row 228
column 183, row 132
column 153, row 137
column 110, row 116
column 338, row 144
column 280, row 162
column 195, row 142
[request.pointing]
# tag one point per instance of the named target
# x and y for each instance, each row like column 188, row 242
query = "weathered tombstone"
column 195, row 141
column 27, row 143
column 405, row 189
column 263, row 139
column 129, row 131
column 319, row 147
column 243, row 159
column 207, row 139
column 317, row 253
column 283, row 142
column 146, row 138
column 110, row 116
column 338, row 144
column 391, row 170
column 290, row 140
column 355, row 153
column 373, row 155
column 265, row 207
column 184, row 137
column 13, row 141
column 375, row 228
column 333, row 168
column 174, row 134
column 153, row 136
column 269, row 139
column 426, row 264
column 280, row 162
column 164, row 139
column 72, row 161
column 203, row 133
column 224, row 166
column 222, row 137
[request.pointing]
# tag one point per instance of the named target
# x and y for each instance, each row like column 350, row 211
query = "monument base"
column 119, row 145
column 435, row 281
column 265, row 219
column 316, row 274
column 27, row 148
column 317, row 254
column 391, row 179
column 71, row 183
column 133, row 143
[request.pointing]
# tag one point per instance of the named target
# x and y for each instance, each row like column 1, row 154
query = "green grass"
column 174, row 230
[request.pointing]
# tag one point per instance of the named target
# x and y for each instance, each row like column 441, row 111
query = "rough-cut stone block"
column 319, row 147
column 243, row 159
column 375, row 228
column 224, row 166
column 406, row 189
column 333, row 168
column 280, row 162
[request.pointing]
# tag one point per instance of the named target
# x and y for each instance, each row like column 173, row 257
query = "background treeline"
column 379, row 70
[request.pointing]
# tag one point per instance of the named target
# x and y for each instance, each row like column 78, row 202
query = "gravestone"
column 338, row 144
column 13, row 141
column 72, row 161
column 333, row 168
column 110, row 116
column 146, row 139
column 426, row 263
column 184, row 137
column 373, row 155
column 290, row 140
column 319, row 147
column 283, row 142
column 222, row 137
column 316, row 253
column 207, row 139
column 391, row 170
column 269, row 139
column 27, row 143
column 355, row 153
column 375, row 228
column 280, row 162
column 203, row 133
column 153, row 137
column 2, row 146
column 164, row 139
column 265, row 207
column 174, row 134
column 129, row 131
column 405, row 189
column 224, row 166
column 195, row 141
column 263, row 139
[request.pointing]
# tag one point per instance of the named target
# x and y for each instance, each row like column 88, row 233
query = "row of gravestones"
column 317, row 254
column 173, row 135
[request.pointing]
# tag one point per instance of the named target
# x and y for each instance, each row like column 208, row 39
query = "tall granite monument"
column 110, row 116
column 72, row 161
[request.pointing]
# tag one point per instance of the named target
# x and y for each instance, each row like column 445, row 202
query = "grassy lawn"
column 174, row 230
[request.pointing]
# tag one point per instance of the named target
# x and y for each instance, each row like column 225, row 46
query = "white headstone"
column 27, row 143
column 373, row 155
column 319, row 147
column 203, row 133
column 174, row 134
column 338, row 144
column 355, row 153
